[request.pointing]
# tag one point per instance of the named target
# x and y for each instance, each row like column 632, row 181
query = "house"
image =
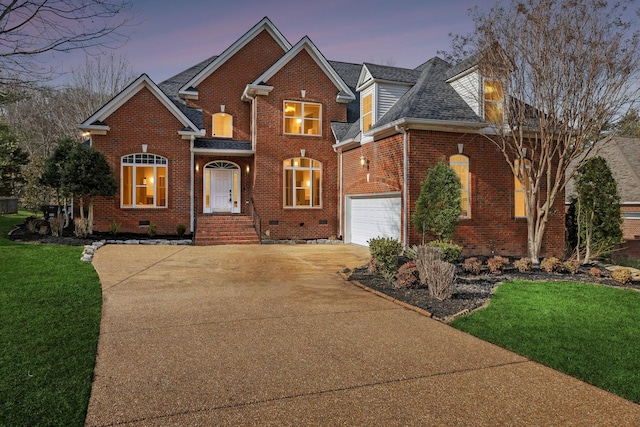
column 622, row 155
column 270, row 139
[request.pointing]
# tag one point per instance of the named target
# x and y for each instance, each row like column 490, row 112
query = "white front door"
column 221, row 190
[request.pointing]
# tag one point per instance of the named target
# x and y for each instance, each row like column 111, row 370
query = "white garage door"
column 370, row 217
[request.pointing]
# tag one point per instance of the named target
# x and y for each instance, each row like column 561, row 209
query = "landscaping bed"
column 472, row 291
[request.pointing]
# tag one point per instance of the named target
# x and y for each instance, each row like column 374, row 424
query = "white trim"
column 345, row 94
column 236, row 172
column 129, row 92
column 264, row 25
column 237, row 153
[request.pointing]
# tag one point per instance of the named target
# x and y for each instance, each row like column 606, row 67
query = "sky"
column 173, row 35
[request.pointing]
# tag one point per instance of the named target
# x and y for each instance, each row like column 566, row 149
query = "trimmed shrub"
column 407, row 277
column 523, row 265
column 181, row 229
column 385, row 252
column 57, row 225
column 472, row 265
column 114, row 227
column 550, row 265
column 570, row 266
column 450, row 252
column 497, row 263
column 621, row 275
column 595, row 272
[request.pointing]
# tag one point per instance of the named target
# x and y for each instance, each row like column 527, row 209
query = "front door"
column 222, row 190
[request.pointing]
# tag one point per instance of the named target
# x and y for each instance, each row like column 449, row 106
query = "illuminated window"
column 302, row 118
column 367, row 112
column 302, row 183
column 460, row 164
column 520, row 189
column 143, row 181
column 493, row 101
column 222, row 125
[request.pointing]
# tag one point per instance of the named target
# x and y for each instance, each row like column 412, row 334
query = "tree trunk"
column 90, row 216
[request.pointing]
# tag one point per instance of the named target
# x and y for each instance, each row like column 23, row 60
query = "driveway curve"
column 272, row 335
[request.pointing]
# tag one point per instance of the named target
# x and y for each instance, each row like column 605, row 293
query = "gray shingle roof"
column 346, row 131
column 172, row 85
column 623, row 157
column 221, row 144
column 393, row 74
column 431, row 98
column 350, row 73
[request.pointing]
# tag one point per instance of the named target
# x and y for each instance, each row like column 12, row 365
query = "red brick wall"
column 492, row 228
column 631, row 226
column 226, row 85
column 273, row 147
column 145, row 120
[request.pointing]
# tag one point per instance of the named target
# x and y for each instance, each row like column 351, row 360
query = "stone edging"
column 89, row 250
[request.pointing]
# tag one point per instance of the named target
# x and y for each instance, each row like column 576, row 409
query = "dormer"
column 380, row 88
column 483, row 94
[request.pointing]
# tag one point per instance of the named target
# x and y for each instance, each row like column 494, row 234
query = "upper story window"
column 521, row 188
column 493, row 101
column 222, row 125
column 143, row 181
column 460, row 164
column 367, row 112
column 302, row 183
column 302, row 118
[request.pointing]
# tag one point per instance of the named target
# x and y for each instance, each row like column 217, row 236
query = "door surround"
column 221, row 183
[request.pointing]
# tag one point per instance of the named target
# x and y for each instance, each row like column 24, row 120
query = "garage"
column 372, row 216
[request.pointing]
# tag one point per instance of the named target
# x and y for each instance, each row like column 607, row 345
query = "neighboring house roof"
column 189, row 88
column 623, row 157
column 430, row 98
column 96, row 121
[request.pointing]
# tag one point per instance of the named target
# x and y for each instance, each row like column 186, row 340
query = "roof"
column 350, row 73
column 172, row 85
column 221, row 144
column 392, row 74
column 623, row 157
column 431, row 98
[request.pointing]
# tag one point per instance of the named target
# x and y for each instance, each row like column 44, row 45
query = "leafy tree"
column 567, row 70
column 598, row 214
column 438, row 206
column 35, row 194
column 85, row 172
column 12, row 159
column 629, row 124
column 54, row 169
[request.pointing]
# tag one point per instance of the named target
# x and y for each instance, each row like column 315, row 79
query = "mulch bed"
column 471, row 292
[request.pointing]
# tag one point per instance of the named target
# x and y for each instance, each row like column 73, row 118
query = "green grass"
column 590, row 332
column 49, row 323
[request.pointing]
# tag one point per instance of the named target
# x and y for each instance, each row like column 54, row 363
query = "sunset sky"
column 174, row 35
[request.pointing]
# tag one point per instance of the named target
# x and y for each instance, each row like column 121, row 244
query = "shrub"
column 570, row 266
column 385, row 252
column 81, row 227
column 57, row 225
column 550, row 265
column 407, row 276
column 595, row 272
column 411, row 252
column 497, row 263
column 621, row 275
column 472, row 265
column 450, row 251
column 440, row 277
column 32, row 224
column 114, row 227
column 152, row 230
column 523, row 265
column 181, row 229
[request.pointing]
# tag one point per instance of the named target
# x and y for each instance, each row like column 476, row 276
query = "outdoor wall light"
column 248, row 169
column 197, row 167
column 364, row 162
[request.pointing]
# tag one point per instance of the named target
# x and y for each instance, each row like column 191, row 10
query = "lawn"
column 587, row 331
column 49, row 325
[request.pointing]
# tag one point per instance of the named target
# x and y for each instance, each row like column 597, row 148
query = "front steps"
column 225, row 230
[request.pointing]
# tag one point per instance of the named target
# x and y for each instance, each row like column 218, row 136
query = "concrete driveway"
column 272, row 335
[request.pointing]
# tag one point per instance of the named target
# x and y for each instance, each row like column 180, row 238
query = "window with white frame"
column 367, row 112
column 460, row 165
column 222, row 125
column 302, row 118
column 143, row 181
column 521, row 188
column 493, row 101
column 302, row 183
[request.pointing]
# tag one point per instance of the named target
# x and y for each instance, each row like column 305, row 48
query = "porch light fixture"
column 197, row 167
column 248, row 169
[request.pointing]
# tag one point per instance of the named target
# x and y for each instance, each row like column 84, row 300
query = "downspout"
column 340, row 195
column 191, row 184
column 253, row 137
column 405, row 192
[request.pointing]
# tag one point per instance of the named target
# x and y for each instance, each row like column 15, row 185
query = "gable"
column 188, row 90
column 95, row 123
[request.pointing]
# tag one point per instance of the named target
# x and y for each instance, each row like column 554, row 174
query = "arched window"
column 521, row 188
column 222, row 125
column 460, row 164
column 143, row 181
column 302, row 183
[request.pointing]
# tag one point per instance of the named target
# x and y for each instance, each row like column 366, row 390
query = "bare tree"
column 31, row 28
column 564, row 70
